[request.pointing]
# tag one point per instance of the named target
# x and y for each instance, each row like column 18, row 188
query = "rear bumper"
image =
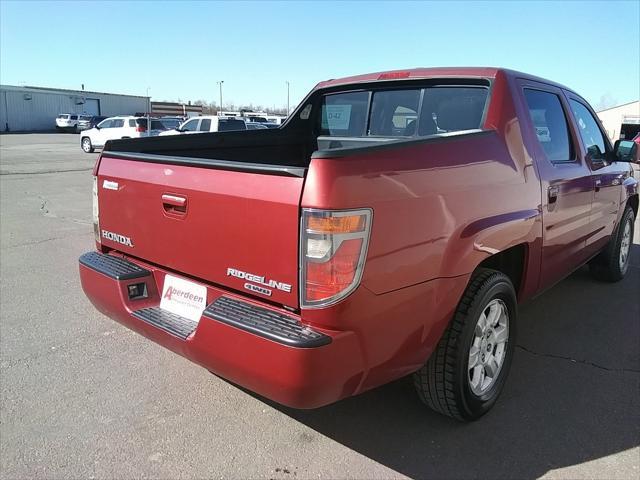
column 229, row 339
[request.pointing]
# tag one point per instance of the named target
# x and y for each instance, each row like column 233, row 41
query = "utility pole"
column 287, row 98
column 148, row 112
column 220, row 107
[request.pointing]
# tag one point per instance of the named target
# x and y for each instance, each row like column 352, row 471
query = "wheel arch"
column 632, row 201
column 512, row 262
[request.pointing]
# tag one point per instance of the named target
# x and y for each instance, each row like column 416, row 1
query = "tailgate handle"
column 174, row 203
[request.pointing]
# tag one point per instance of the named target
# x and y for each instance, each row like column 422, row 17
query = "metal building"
column 175, row 109
column 35, row 108
column 622, row 121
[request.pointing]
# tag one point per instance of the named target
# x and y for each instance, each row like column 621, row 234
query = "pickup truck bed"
column 390, row 227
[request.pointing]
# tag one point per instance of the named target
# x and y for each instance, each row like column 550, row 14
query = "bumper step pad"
column 265, row 323
column 114, row 267
column 169, row 322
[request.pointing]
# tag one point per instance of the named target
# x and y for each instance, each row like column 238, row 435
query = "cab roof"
column 434, row 72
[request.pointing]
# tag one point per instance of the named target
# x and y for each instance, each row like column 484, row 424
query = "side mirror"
column 626, row 151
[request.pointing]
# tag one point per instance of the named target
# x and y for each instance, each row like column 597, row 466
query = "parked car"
column 117, row 128
column 85, row 122
column 171, row 123
column 390, row 227
column 208, row 123
column 67, row 121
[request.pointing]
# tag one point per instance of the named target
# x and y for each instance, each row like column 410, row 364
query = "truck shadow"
column 571, row 396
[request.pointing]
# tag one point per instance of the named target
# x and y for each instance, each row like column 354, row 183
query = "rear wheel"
column 466, row 373
column 86, row 145
column 612, row 263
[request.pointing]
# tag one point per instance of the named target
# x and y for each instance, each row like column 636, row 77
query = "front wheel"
column 86, row 145
column 612, row 263
column 468, row 369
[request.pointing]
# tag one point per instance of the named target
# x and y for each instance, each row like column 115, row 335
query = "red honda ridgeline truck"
column 390, row 227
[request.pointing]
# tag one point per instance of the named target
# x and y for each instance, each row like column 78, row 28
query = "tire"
column 612, row 263
column 446, row 383
column 86, row 145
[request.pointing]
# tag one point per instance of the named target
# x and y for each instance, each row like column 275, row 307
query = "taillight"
column 141, row 129
column 96, row 212
column 333, row 252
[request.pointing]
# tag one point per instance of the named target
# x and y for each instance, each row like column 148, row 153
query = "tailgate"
column 238, row 229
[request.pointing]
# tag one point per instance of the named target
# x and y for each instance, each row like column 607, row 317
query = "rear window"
column 403, row 112
column 228, row 124
column 344, row 114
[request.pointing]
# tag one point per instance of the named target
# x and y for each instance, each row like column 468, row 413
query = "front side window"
column 550, row 124
column 105, row 124
column 589, row 132
column 190, row 126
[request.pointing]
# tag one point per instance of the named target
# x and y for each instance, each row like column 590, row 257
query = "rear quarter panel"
column 440, row 207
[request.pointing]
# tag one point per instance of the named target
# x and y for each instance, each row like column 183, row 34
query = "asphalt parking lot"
column 83, row 397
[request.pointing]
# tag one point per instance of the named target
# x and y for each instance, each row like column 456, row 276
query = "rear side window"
column 133, row 121
column 205, row 125
column 589, row 131
column 550, row 124
column 404, row 112
column 118, row 123
column 74, row 117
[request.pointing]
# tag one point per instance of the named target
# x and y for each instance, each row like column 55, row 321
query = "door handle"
column 598, row 183
column 553, row 194
column 174, row 204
